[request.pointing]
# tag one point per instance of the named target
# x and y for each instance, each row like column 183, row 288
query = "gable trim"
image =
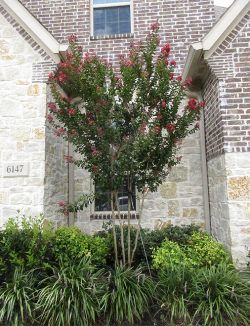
column 209, row 44
column 32, row 26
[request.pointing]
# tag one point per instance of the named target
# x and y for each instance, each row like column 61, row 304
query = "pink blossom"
column 127, row 63
column 157, row 130
column 192, row 104
column 69, row 56
column 94, row 168
column 71, row 111
column 62, row 77
column 163, row 104
column 170, row 127
column 173, row 63
column 166, row 50
column 52, row 107
column 202, row 104
column 188, row 82
column 49, row 118
column 61, row 203
column 179, row 78
column 59, row 131
column 51, row 76
column 154, row 27
column 94, row 151
column 72, row 38
column 63, row 65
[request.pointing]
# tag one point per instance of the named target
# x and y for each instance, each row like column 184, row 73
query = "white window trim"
column 111, row 5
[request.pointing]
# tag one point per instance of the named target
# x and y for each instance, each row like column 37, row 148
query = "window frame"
column 94, row 211
column 111, row 5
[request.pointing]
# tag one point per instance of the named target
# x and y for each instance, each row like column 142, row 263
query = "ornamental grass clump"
column 17, row 300
column 173, row 294
column 129, row 296
column 71, row 295
column 125, row 123
column 220, row 297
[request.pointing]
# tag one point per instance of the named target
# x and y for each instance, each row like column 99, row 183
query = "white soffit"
column 216, row 35
column 32, row 26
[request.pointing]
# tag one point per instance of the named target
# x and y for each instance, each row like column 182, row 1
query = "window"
column 103, row 200
column 111, row 17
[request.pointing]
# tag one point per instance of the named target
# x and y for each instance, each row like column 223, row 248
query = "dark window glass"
column 103, row 199
column 111, row 21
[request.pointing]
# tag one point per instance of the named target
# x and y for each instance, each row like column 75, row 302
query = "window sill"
column 108, row 216
column 111, row 37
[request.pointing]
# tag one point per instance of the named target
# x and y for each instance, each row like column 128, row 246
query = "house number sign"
column 16, row 169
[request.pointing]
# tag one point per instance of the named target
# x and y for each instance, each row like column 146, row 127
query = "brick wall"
column 212, row 115
column 231, row 66
column 182, row 23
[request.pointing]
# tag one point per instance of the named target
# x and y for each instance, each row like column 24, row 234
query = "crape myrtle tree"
column 125, row 122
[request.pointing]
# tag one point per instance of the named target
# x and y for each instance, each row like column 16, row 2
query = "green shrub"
column 25, row 242
column 71, row 295
column 220, row 297
column 129, row 296
column 71, row 244
column 17, row 299
column 200, row 250
column 203, row 250
column 148, row 241
column 169, row 255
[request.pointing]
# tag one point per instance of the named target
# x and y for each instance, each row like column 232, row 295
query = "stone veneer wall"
column 238, row 192
column 229, row 190
column 22, row 124
column 56, row 173
column 179, row 200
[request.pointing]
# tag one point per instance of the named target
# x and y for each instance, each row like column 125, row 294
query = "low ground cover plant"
column 73, row 281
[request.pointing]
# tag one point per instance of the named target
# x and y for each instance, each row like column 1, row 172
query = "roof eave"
column 34, row 28
column 215, row 37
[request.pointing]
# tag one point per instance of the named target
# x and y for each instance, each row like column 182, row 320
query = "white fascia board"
column 194, row 54
column 216, row 36
column 224, row 26
column 32, row 26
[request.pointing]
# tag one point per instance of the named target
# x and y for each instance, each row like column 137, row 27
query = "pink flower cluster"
column 166, row 50
column 71, row 111
column 154, row 27
column 52, row 107
column 59, row 131
column 170, row 127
